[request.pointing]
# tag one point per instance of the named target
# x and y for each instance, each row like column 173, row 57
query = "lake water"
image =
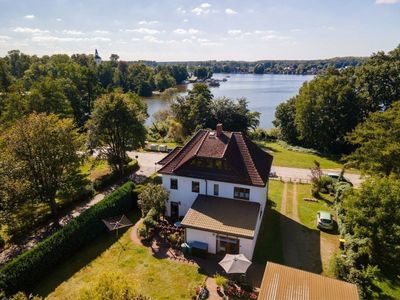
column 264, row 92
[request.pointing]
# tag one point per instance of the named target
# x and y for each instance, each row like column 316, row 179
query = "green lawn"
column 95, row 168
column 269, row 243
column 152, row 277
column 285, row 157
column 307, row 209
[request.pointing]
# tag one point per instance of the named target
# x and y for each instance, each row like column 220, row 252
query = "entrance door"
column 174, row 211
column 227, row 245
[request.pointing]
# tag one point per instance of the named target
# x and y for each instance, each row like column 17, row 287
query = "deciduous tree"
column 116, row 126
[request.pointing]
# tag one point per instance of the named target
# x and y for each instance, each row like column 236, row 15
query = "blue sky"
column 201, row 30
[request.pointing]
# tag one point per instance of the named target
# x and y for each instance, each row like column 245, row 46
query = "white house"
column 218, row 184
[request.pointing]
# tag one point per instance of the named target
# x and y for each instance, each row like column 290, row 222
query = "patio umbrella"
column 235, row 263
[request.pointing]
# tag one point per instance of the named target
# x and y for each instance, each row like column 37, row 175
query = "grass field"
column 149, row 276
column 94, row 168
column 308, row 210
column 269, row 243
column 285, row 157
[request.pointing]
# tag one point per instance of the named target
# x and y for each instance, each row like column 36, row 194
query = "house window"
column 241, row 193
column 216, row 189
column 195, row 187
column 174, row 184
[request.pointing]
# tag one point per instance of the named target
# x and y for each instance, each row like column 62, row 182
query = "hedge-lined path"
column 42, row 232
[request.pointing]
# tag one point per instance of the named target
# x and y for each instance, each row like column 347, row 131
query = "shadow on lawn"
column 80, row 259
column 75, row 263
column 285, row 241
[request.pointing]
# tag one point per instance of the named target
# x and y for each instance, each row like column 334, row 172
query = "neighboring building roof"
column 246, row 163
column 223, row 215
column 282, row 282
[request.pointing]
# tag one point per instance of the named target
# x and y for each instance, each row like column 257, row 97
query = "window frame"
column 216, row 189
column 194, row 183
column 175, row 185
column 241, row 193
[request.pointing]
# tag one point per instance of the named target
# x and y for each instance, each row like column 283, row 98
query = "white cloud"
column 181, row 10
column 230, row 11
column 29, row 30
column 203, row 9
column 29, row 17
column 4, row 37
column 52, row 38
column 58, row 19
column 135, row 39
column 72, row 32
column 143, row 30
column 186, row 31
column 387, row 1
column 153, row 39
column 234, row 32
column 275, row 37
column 144, row 22
column 296, row 30
column 185, row 20
column 264, row 31
column 101, row 31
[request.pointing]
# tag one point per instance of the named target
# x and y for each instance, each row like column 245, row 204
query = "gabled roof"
column 248, row 163
column 282, row 282
column 223, row 215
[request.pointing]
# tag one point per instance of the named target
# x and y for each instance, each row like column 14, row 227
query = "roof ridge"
column 227, row 146
column 192, row 141
column 201, row 143
column 248, row 159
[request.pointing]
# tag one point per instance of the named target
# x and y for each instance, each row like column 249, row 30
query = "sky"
column 178, row 30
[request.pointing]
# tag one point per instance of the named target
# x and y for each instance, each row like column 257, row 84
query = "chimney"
column 218, row 129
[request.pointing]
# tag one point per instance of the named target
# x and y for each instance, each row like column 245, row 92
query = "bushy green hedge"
column 22, row 273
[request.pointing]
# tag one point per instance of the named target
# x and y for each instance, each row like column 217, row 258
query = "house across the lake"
column 218, row 184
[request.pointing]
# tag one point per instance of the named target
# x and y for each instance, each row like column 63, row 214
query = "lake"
column 264, row 92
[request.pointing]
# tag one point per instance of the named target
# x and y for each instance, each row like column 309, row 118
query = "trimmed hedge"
column 24, row 272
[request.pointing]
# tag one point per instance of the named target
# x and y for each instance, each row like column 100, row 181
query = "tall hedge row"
column 22, row 273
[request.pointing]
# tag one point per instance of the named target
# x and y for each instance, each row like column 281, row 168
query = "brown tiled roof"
column 282, row 282
column 223, row 215
column 169, row 156
column 249, row 164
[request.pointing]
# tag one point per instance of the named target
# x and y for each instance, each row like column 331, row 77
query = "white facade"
column 246, row 246
column 184, row 196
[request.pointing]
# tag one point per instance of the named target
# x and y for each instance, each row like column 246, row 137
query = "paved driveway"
column 147, row 161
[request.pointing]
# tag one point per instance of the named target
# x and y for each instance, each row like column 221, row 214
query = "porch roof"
column 223, row 215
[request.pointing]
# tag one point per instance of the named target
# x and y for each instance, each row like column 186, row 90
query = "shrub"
column 22, row 273
column 149, row 222
column 221, row 280
column 142, row 231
